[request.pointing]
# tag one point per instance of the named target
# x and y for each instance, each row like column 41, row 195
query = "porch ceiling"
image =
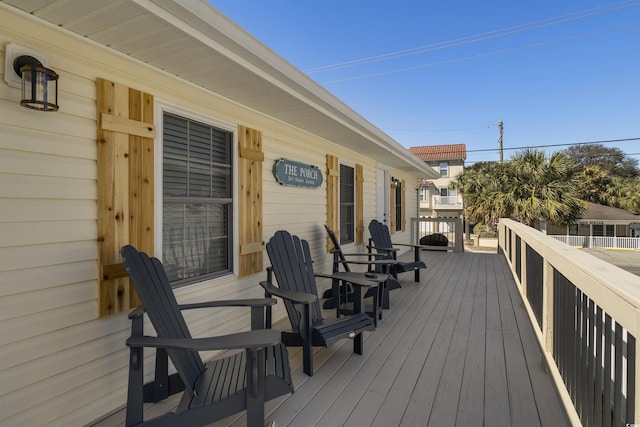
column 193, row 41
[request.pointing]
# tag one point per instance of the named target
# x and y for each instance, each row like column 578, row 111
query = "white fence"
column 600, row 242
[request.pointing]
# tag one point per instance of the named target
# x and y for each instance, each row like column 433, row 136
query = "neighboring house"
column 437, row 197
column 171, row 128
column 601, row 226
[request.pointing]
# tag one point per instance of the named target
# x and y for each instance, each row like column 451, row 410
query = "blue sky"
column 445, row 72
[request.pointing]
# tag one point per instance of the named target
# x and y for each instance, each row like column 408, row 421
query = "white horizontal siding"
column 15, row 186
column 34, row 233
column 29, row 257
column 26, row 163
column 25, row 327
column 29, row 210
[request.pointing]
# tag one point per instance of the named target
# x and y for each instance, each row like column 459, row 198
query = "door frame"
column 383, row 189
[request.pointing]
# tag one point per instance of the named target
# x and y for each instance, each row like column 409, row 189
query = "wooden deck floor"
column 455, row 349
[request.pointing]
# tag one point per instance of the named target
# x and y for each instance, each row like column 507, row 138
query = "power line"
column 478, row 37
column 481, row 55
column 444, row 130
column 559, row 145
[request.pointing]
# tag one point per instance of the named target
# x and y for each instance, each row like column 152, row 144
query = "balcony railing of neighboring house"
column 447, row 202
column 451, row 228
column 586, row 314
column 599, row 242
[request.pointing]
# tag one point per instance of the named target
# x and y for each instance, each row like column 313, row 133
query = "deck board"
column 455, row 349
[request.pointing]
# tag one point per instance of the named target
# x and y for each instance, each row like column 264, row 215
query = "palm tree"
column 530, row 187
column 482, row 187
column 546, row 188
column 592, row 184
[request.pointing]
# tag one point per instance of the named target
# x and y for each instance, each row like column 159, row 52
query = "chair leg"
column 358, row 346
column 307, row 340
column 134, row 413
column 417, row 275
column 385, row 298
column 255, row 390
column 307, row 358
column 357, row 308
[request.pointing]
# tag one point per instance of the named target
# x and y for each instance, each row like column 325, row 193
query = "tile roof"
column 440, row 152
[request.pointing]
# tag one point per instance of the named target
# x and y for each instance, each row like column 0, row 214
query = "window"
column 424, row 194
column 610, row 230
column 347, row 204
column 444, row 168
column 398, row 206
column 197, row 200
column 573, row 229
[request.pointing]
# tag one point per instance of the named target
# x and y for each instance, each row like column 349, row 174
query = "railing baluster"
column 582, row 370
column 590, row 380
column 607, row 371
column 631, row 379
column 599, row 369
column 617, row 385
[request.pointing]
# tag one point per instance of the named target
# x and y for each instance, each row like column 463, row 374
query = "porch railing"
column 449, row 202
column 599, row 242
column 586, row 314
column 451, row 228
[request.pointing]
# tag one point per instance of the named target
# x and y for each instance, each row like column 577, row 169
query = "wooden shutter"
column 250, row 162
column 359, row 205
column 403, row 207
column 125, row 187
column 333, row 175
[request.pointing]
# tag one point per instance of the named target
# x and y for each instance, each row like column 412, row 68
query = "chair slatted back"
column 155, row 292
column 380, row 235
column 336, row 246
column 292, row 265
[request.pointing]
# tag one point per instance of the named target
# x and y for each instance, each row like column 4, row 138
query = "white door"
column 382, row 194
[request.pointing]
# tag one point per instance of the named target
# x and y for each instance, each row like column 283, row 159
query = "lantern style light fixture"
column 39, row 84
column 395, row 182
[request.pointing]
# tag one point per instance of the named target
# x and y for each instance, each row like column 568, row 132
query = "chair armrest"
column 410, row 245
column 137, row 312
column 350, row 278
column 387, row 261
column 241, row 340
column 370, row 255
column 383, row 249
column 258, row 302
column 295, row 297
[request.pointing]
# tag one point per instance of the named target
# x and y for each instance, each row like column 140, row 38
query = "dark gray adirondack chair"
column 381, row 242
column 378, row 263
column 291, row 264
column 213, row 390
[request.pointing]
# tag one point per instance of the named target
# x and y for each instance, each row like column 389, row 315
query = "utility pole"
column 500, row 138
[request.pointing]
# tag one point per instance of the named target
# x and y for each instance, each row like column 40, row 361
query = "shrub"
column 481, row 230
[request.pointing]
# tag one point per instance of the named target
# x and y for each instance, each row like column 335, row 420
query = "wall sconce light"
column 395, row 183
column 39, row 84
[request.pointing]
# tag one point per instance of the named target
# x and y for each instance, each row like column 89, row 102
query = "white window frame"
column 355, row 201
column 162, row 107
column 446, row 169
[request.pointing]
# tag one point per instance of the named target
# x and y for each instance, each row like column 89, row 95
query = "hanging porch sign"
column 289, row 172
